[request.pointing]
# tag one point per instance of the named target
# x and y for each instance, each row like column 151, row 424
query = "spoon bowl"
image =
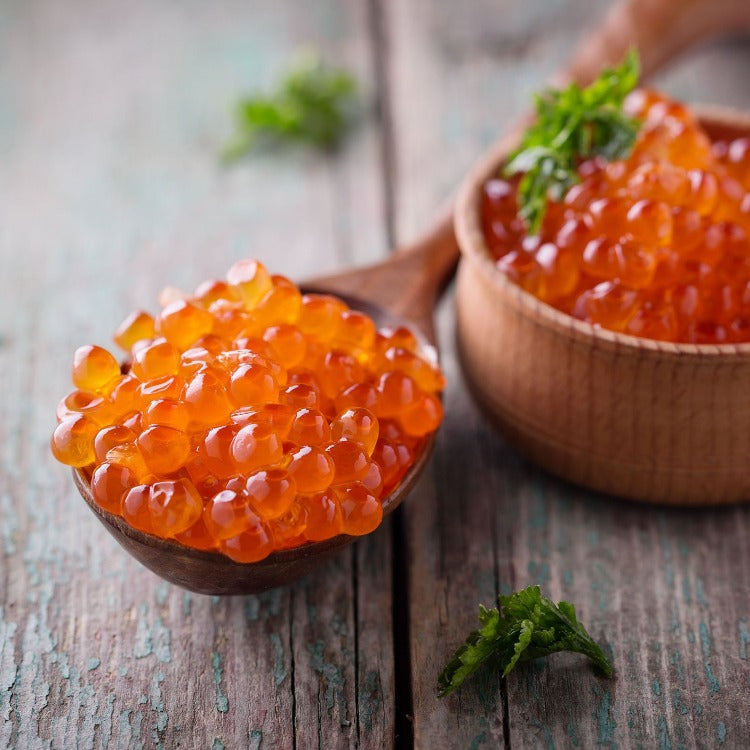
column 412, row 295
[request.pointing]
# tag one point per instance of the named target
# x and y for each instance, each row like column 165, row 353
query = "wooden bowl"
column 208, row 572
column 647, row 420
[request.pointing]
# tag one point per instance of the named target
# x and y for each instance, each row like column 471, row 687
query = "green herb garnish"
column 572, row 124
column 313, row 105
column 526, row 626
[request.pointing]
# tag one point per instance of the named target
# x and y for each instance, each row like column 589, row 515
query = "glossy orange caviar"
column 656, row 245
column 251, row 417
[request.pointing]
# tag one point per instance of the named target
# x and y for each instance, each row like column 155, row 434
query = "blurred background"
column 113, row 116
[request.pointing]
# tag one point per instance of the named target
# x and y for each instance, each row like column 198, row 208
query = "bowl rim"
column 474, row 249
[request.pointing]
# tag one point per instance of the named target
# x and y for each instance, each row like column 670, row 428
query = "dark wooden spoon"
column 400, row 291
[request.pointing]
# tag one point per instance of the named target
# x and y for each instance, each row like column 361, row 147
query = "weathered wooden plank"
column 110, row 124
column 666, row 590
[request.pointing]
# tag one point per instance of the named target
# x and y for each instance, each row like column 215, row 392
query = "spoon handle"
column 660, row 29
column 409, row 281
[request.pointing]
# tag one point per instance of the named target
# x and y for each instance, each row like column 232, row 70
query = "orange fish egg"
column 182, row 323
column 620, row 246
column 271, row 492
column 361, row 512
column 253, row 384
column 359, row 425
column 251, row 281
column 244, row 419
column 174, row 506
column 94, row 368
column 323, row 517
column 73, row 441
column 319, row 315
column 137, row 326
column 228, row 514
column 155, row 360
column 110, row 437
column 252, row 545
column 350, row 461
column 256, row 446
column 109, row 484
column 164, row 449
column 312, row 468
column 310, row 427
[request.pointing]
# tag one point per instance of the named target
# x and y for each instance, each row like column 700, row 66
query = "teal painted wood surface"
column 111, row 117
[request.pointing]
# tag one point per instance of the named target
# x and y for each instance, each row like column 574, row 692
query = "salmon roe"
column 656, row 245
column 249, row 417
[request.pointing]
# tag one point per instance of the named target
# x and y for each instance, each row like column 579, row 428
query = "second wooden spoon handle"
column 660, row 29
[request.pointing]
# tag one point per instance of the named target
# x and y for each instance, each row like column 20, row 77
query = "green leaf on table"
column 572, row 124
column 525, row 626
column 314, row 105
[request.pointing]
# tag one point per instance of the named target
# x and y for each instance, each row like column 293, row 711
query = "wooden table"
column 111, row 118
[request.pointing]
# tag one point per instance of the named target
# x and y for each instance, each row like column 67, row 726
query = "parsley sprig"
column 572, row 124
column 526, row 626
column 313, row 105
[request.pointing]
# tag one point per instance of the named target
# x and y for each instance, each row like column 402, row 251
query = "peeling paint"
column 686, row 592
column 261, row 606
column 36, row 642
column 679, row 706
column 721, row 732
column 713, row 682
column 334, row 681
column 130, row 730
column 152, row 638
column 8, row 674
column 162, row 593
column 676, row 661
column 156, row 703
column 370, row 699
column 665, row 741
column 570, row 730
column 279, row 671
column 605, row 722
column 222, row 702
column 9, row 526
column 539, row 572
column 478, row 741
column 744, row 638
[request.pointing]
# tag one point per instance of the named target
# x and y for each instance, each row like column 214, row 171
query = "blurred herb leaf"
column 314, row 105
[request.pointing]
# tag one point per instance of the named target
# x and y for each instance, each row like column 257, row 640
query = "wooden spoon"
column 400, row 291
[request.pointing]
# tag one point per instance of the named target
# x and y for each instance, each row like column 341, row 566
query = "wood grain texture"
column 111, row 120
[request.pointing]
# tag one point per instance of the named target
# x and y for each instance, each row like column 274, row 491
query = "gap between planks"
column 400, row 614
